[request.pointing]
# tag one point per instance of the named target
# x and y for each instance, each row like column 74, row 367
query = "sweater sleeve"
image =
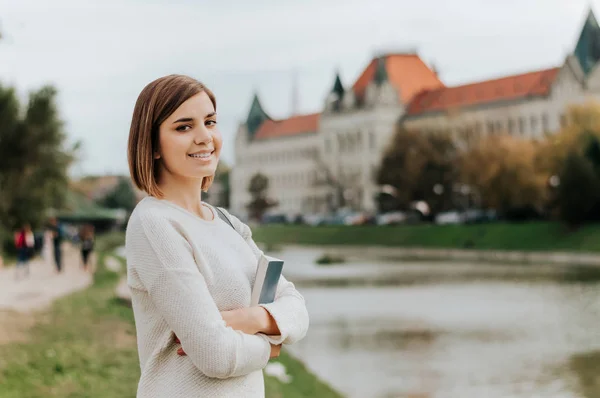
column 164, row 262
column 288, row 309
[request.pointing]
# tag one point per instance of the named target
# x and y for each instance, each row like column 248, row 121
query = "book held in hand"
column 267, row 277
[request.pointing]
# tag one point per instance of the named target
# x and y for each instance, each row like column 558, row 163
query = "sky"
column 100, row 54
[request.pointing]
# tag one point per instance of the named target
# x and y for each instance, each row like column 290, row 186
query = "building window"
column 499, row 127
column 511, row 126
column 371, row 140
column 478, row 127
column 545, row 123
column 350, row 142
column 534, row 124
column 342, row 143
column 522, row 126
column 490, row 127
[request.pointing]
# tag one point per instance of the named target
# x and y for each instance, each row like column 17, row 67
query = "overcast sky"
column 100, row 54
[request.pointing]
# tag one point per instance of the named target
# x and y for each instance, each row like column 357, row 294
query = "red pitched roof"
column 407, row 72
column 507, row 88
column 291, row 126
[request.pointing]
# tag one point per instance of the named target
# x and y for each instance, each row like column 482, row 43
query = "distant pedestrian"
column 24, row 243
column 86, row 239
column 47, row 249
column 57, row 238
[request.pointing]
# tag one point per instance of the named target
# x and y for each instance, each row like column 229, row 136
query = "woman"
column 25, row 244
column 191, row 274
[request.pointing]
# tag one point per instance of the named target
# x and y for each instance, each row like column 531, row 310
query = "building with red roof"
column 317, row 161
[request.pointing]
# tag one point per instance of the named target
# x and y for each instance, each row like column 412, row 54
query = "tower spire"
column 587, row 49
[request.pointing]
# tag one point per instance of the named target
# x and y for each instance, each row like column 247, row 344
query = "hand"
column 249, row 320
column 179, row 350
column 275, row 351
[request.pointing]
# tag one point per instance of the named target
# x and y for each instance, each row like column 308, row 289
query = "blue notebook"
column 268, row 273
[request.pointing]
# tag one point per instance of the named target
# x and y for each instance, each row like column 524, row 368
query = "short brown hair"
column 157, row 101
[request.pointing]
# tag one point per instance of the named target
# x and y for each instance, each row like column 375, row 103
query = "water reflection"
column 481, row 338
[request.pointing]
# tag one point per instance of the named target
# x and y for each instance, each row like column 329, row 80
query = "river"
column 519, row 337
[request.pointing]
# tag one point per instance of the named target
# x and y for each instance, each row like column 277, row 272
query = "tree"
column 34, row 160
column 259, row 184
column 573, row 154
column 415, row 164
column 219, row 194
column 579, row 190
column 583, row 123
column 503, row 169
column 122, row 196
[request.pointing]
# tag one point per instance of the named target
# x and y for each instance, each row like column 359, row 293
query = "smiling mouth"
column 204, row 155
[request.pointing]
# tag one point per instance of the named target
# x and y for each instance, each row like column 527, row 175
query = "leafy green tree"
column 573, row 154
column 121, row 197
column 221, row 196
column 34, row 158
column 579, row 190
column 260, row 203
column 415, row 164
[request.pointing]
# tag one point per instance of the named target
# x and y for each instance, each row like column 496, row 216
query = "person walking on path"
column 47, row 249
column 57, row 239
column 24, row 243
column 86, row 241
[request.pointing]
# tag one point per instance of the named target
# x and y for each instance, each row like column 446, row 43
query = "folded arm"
column 164, row 263
column 287, row 313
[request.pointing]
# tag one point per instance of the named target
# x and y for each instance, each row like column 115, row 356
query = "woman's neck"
column 186, row 193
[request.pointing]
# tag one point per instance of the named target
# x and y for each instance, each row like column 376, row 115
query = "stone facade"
column 317, row 162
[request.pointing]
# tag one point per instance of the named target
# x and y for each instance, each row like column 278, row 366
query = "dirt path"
column 19, row 298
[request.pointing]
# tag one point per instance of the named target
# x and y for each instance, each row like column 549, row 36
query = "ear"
column 156, row 155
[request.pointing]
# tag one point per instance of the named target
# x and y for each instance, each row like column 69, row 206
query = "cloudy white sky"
column 101, row 53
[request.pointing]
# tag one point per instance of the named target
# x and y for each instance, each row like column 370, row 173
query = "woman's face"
column 189, row 140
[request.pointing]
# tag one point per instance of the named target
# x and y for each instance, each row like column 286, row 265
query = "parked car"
column 391, row 218
column 450, row 217
column 274, row 219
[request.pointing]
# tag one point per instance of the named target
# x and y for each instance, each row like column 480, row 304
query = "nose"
column 203, row 136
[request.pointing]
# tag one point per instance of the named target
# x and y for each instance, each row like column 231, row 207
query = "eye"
column 183, row 128
column 210, row 122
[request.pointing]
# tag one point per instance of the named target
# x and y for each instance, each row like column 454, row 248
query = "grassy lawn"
column 500, row 236
column 85, row 346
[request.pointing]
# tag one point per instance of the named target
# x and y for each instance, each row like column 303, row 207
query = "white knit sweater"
column 182, row 270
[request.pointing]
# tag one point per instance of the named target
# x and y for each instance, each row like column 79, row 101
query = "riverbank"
column 85, row 345
column 533, row 243
column 542, row 236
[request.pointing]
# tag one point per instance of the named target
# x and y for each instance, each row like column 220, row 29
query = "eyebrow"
column 190, row 119
column 183, row 119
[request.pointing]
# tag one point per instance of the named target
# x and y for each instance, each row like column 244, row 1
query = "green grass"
column 84, row 346
column 540, row 236
column 586, row 367
column 303, row 383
